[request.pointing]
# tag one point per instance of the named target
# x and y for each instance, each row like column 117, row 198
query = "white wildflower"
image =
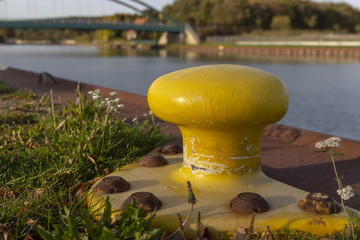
column 151, row 113
column 332, row 142
column 117, row 100
column 107, row 101
column 120, row 106
column 94, row 97
column 134, row 119
column 320, row 145
column 97, row 91
column 346, row 193
column 113, row 93
column 145, row 114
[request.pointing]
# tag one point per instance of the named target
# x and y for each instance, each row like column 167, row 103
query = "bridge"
column 90, row 24
column 158, row 22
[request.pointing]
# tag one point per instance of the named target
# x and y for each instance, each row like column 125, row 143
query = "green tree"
column 357, row 28
column 311, row 22
column 104, row 35
column 281, row 22
column 262, row 15
column 6, row 33
column 238, row 16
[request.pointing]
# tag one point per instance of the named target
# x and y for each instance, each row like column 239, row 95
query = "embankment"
column 342, row 53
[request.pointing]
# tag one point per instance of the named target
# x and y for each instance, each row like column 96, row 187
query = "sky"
column 30, row 9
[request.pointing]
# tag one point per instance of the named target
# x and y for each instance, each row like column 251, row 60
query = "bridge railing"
column 84, row 21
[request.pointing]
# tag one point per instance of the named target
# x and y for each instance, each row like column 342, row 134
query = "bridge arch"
column 167, row 17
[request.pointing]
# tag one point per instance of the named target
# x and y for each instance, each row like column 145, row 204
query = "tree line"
column 234, row 17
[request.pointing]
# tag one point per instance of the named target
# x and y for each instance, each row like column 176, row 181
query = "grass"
column 45, row 150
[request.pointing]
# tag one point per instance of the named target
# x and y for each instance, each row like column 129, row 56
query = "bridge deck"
column 91, row 25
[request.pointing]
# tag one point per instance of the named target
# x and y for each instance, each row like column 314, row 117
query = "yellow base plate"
column 213, row 194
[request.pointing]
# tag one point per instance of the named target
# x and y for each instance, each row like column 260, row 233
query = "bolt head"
column 112, row 184
column 249, row 202
column 319, row 203
column 145, row 199
column 170, row 149
column 152, row 160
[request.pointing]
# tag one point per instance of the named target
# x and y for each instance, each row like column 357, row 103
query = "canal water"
column 324, row 95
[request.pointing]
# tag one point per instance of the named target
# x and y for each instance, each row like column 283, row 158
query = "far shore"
column 321, row 52
column 340, row 52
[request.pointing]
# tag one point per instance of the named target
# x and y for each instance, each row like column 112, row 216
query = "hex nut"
column 319, row 203
column 152, row 160
column 170, row 149
column 112, row 184
column 145, row 199
column 249, row 202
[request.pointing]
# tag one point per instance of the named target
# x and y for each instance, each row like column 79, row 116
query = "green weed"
column 132, row 224
column 44, row 154
column 4, row 89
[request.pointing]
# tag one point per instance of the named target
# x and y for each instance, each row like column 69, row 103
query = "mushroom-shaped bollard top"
column 221, row 111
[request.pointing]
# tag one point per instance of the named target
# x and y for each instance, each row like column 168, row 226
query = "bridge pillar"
column 189, row 36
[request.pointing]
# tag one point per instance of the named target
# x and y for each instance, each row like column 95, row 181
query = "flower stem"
column 331, row 153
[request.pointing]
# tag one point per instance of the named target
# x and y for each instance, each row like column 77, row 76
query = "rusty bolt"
column 145, row 199
column 152, row 160
column 249, row 202
column 319, row 203
column 112, row 184
column 170, row 149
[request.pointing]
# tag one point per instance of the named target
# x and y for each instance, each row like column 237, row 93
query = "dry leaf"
column 10, row 194
column 29, row 144
column 348, row 231
column 240, row 234
column 32, row 224
column 81, row 187
column 61, row 124
column 93, row 161
column 38, row 192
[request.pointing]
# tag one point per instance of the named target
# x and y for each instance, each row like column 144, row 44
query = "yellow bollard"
column 221, row 111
